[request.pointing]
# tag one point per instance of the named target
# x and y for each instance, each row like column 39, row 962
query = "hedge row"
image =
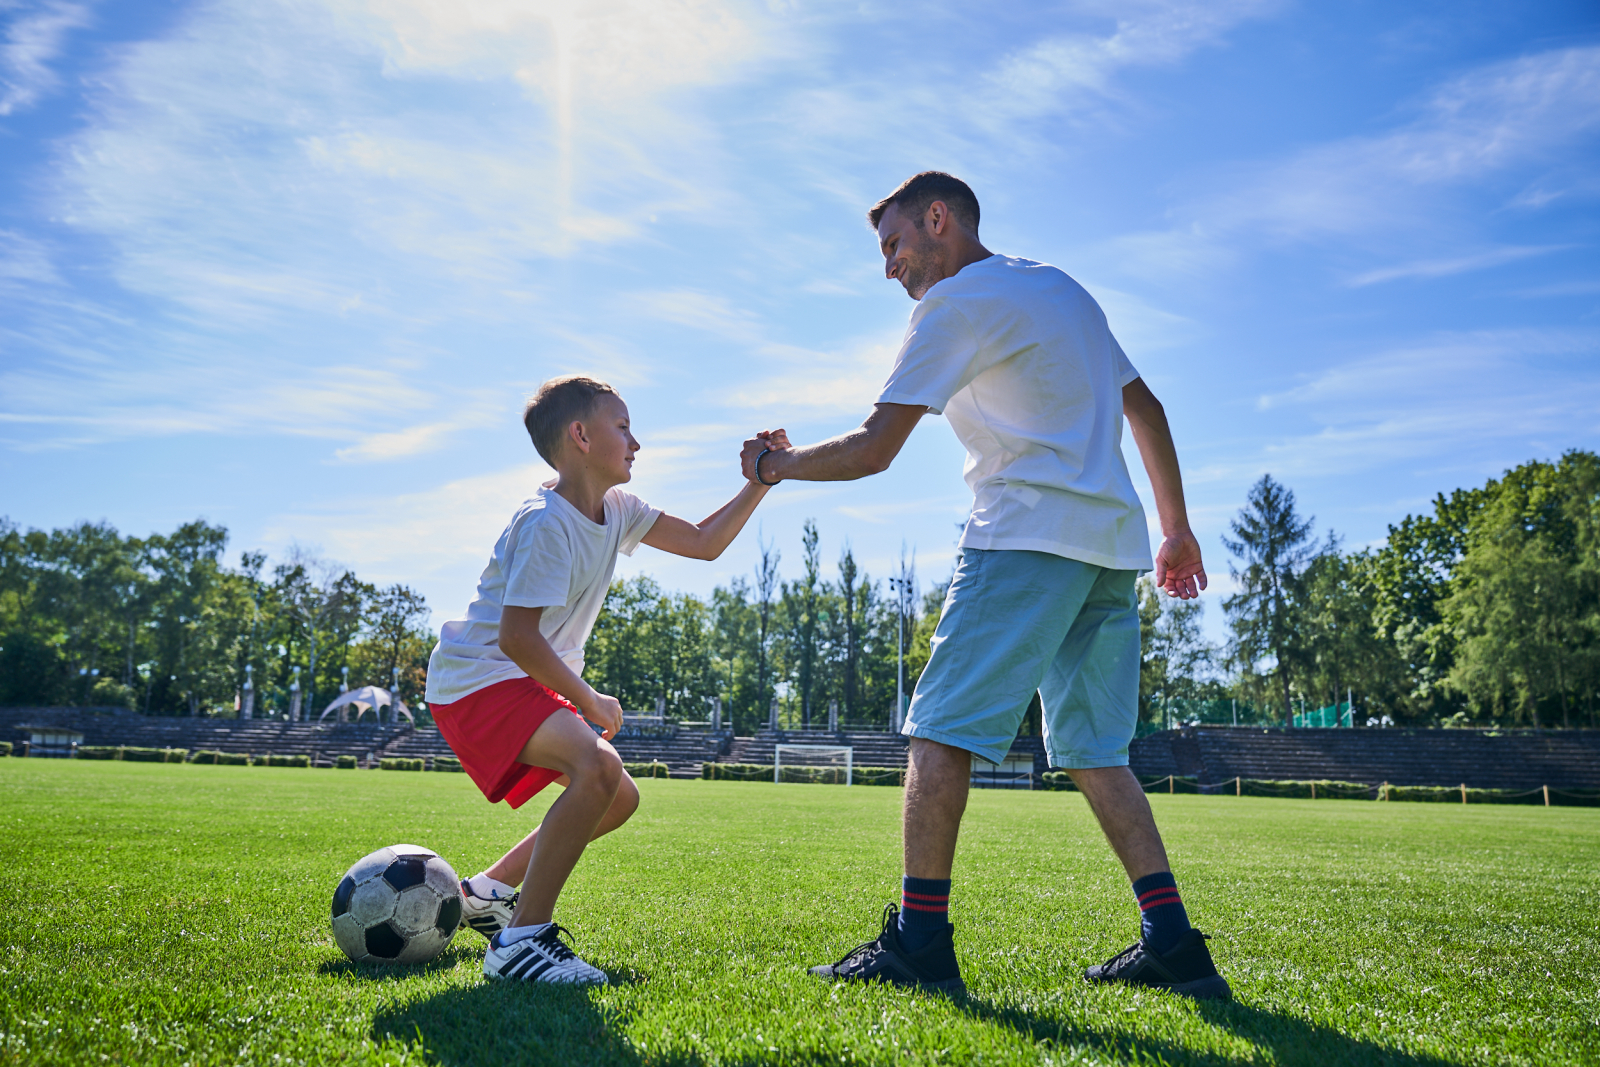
column 227, row 759
column 646, row 770
column 129, row 752
column 399, row 763
column 5, row 748
column 762, row 772
column 446, row 763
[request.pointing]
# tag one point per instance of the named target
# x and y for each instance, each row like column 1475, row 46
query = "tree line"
column 1485, row 609
column 161, row 625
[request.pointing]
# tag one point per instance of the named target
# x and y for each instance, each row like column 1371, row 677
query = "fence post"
column 1169, row 784
column 1463, row 792
column 1547, row 796
column 1313, row 790
column 1238, row 787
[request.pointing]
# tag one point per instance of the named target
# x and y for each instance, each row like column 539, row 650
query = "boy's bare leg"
column 513, row 866
column 565, row 743
column 1123, row 810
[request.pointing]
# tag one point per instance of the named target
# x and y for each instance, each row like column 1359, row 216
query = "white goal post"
column 827, row 756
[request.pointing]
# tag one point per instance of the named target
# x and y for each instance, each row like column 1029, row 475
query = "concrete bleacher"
column 259, row 737
column 1482, row 759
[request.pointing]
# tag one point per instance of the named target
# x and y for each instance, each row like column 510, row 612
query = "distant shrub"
column 1058, row 781
column 100, row 752
column 399, row 763
column 446, row 763
column 154, row 755
column 212, row 756
column 5, row 749
column 644, row 770
column 346, row 763
column 283, row 761
column 879, row 776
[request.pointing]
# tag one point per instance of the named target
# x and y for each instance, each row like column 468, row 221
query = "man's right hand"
column 765, row 441
column 605, row 712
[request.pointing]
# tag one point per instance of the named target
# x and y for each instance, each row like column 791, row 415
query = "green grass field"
column 179, row 915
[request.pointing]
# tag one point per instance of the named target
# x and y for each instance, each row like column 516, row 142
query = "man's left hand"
column 1179, row 569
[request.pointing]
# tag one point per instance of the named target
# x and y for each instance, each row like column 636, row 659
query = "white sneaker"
column 487, row 916
column 544, row 958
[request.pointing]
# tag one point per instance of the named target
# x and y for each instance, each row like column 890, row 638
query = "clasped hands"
column 765, row 441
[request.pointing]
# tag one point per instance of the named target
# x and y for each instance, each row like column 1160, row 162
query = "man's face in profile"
column 911, row 256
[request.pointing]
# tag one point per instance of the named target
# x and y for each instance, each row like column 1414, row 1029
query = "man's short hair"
column 920, row 190
column 558, row 404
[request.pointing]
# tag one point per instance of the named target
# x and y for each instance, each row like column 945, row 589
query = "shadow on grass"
column 1287, row 1040
column 378, row 972
column 510, row 1022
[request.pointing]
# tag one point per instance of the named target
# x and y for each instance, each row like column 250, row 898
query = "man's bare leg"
column 1124, row 814
column 936, row 797
column 565, row 743
column 513, row 866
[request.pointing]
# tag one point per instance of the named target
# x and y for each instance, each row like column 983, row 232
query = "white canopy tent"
column 368, row 698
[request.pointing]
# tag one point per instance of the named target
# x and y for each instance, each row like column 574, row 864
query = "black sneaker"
column 1186, row 968
column 933, row 967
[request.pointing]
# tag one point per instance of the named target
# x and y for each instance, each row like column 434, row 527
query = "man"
column 1020, row 360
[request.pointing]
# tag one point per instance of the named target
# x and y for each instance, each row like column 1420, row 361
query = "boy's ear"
column 578, row 436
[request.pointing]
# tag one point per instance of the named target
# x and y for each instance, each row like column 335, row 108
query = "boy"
column 505, row 683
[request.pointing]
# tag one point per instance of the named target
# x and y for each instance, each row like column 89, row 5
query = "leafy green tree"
column 1276, row 546
column 1523, row 609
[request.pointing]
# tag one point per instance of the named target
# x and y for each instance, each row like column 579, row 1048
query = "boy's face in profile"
column 611, row 443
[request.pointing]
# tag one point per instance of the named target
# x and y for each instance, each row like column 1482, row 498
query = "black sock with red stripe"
column 1161, row 913
column 924, row 910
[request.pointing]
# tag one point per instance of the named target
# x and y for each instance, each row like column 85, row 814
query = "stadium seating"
column 321, row 741
column 1504, row 759
column 1482, row 759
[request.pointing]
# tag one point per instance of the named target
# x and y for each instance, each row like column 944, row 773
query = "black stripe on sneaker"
column 521, row 972
column 514, row 960
column 533, row 976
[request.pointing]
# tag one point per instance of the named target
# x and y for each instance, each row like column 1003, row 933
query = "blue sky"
column 292, row 266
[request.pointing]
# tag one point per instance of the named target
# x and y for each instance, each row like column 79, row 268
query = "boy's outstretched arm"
column 707, row 539
column 522, row 641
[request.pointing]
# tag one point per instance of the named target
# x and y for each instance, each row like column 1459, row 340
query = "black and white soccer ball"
column 401, row 904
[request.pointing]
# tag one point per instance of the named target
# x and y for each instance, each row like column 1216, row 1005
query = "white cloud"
column 1441, row 398
column 1439, row 268
column 1503, row 115
column 34, row 38
column 1062, row 70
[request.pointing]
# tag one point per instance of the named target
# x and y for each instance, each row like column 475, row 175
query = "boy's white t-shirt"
column 1020, row 360
column 550, row 556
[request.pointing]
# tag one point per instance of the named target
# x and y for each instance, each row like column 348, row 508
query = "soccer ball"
column 401, row 904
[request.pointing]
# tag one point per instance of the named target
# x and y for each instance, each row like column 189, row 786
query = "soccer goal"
column 813, row 763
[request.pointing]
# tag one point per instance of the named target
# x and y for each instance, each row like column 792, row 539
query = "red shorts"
column 488, row 729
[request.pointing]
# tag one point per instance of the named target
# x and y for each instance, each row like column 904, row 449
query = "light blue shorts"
column 1017, row 622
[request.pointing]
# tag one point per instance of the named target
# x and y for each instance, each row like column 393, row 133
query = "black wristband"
column 760, row 479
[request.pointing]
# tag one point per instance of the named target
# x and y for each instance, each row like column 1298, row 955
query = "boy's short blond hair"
column 558, row 404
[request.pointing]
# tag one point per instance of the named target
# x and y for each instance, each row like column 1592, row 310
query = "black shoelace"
column 553, row 944
column 891, row 916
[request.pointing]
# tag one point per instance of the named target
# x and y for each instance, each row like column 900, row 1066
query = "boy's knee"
column 602, row 769
column 626, row 802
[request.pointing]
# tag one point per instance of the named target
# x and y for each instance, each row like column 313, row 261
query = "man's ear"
column 578, row 436
column 938, row 218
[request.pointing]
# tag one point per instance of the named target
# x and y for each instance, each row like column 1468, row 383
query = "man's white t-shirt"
column 550, row 556
column 1020, row 360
